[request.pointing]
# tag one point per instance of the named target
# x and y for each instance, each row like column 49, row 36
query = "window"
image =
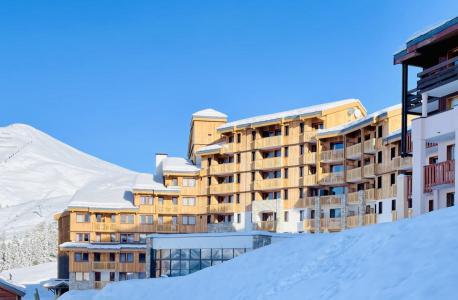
column 451, row 151
column 312, row 214
column 301, row 193
column 431, row 205
column 239, row 218
column 334, row 213
column 301, row 149
column 380, row 131
column 174, row 182
column 286, row 151
column 81, row 257
column 450, row 199
column 83, row 217
column 380, row 208
column 253, row 176
column 113, row 218
column 160, row 220
column 337, row 145
column 286, row 130
column 239, row 158
column 82, row 237
column 317, row 126
column 379, row 157
column 286, row 216
column 188, row 201
column 209, row 200
column 238, row 178
column 253, row 156
column 379, row 182
column 126, row 257
column 301, row 215
column 160, row 200
column 141, row 257
column 82, row 276
column 285, row 173
column 189, row 182
column 126, row 238
column 142, row 238
column 237, row 197
column 189, row 220
column 113, row 237
column 144, row 200
column 393, row 205
column 393, row 152
column 393, row 179
column 231, row 139
column 127, row 219
column 285, row 194
column 146, row 219
column 209, row 181
column 239, row 138
column 112, row 257
column 301, row 171
column 253, row 135
column 209, row 161
column 174, row 200
column 301, row 127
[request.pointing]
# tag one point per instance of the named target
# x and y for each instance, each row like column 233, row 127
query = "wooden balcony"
column 220, row 227
column 221, row 208
column 354, row 151
column 353, row 198
column 309, row 224
column 167, row 228
column 309, row 180
column 100, row 284
column 265, row 225
column 104, row 265
column 442, row 173
column 386, row 192
column 394, row 215
column 272, row 205
column 269, row 184
column 307, row 137
column 268, row 142
column 332, row 178
column 388, row 166
column 331, row 224
column 223, row 188
column 405, row 163
column 223, row 168
column 167, row 209
column 354, row 175
column 370, row 219
column 309, row 158
column 307, row 202
column 269, row 163
column 332, row 155
column 370, row 146
column 104, row 227
column 352, row 221
column 229, row 148
column 330, row 200
column 438, row 75
column 369, row 194
column 369, row 171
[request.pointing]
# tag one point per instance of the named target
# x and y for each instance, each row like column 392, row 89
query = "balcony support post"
column 424, row 105
column 405, row 70
column 317, row 214
column 361, row 208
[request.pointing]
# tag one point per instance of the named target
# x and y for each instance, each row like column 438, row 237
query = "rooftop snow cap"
column 209, row 113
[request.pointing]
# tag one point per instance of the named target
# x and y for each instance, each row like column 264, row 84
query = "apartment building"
column 322, row 168
column 434, row 100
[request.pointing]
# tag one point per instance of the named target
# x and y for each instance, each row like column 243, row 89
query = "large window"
column 126, row 257
column 146, row 219
column 82, row 276
column 81, row 257
column 190, row 182
column 178, row 262
column 82, row 237
column 189, row 220
column 127, row 219
column 189, row 201
column 127, row 238
column 83, row 217
column 144, row 200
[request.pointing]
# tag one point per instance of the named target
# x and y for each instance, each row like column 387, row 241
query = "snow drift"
column 408, row 259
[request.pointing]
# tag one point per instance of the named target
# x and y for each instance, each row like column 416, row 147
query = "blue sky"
column 120, row 79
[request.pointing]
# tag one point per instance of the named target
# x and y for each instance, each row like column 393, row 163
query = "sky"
column 120, row 79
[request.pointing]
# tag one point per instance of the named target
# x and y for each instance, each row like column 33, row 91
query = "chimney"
column 159, row 158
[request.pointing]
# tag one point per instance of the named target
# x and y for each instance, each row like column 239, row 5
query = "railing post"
column 361, row 208
column 317, row 214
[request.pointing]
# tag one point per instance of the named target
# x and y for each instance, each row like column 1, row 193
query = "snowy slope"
column 409, row 259
column 39, row 175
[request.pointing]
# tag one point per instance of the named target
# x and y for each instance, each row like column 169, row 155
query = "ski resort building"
column 321, row 168
column 434, row 100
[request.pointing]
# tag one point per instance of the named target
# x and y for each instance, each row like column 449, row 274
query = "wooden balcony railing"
column 223, row 188
column 221, row 208
column 370, row 146
column 307, row 202
column 409, row 186
column 332, row 224
column 354, row 175
column 265, row 225
column 369, row 171
column 223, row 168
column 369, row 194
column 352, row 221
column 100, row 284
column 353, row 198
column 307, row 137
column 309, row 158
column 405, row 163
column 439, row 174
column 104, row 265
column 438, row 75
column 386, row 192
column 332, row 178
column 167, row 209
column 370, row 219
column 332, row 155
column 104, row 227
column 268, row 163
column 268, row 142
column 167, row 228
column 229, row 148
column 309, row 180
column 274, row 183
column 330, row 200
column 388, row 166
column 308, row 224
column 353, row 151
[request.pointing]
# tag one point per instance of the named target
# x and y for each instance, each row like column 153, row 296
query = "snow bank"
column 409, row 259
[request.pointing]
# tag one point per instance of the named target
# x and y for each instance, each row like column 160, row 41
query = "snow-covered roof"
column 99, row 246
column 210, row 148
column 178, row 165
column 300, row 112
column 146, row 181
column 221, row 234
column 111, row 192
column 12, row 287
column 55, row 283
column 363, row 120
column 209, row 113
column 394, row 135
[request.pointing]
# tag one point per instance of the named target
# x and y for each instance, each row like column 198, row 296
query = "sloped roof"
column 98, row 246
column 209, row 113
column 178, row 165
column 12, row 287
column 309, row 110
column 210, row 148
column 146, row 181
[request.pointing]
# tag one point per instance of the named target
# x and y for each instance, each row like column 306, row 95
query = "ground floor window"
column 431, row 205
column 450, row 199
column 81, row 276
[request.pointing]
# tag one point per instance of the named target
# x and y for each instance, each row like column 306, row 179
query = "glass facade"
column 179, row 262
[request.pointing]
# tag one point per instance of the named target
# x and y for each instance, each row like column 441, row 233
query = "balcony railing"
column 265, row 225
column 265, row 184
column 354, row 175
column 332, row 178
column 307, row 137
column 104, row 227
column 438, row 75
column 167, row 228
column 386, row 192
column 370, row 146
column 309, row 180
column 353, row 198
column 220, row 227
column 309, row 158
column 268, row 142
column 229, row 148
column 100, row 284
column 272, row 205
column 221, row 208
column 268, row 163
column 370, row 219
column 353, row 151
column 439, row 174
column 369, row 171
column 223, row 168
column 369, row 194
column 222, row 188
column 352, row 221
column 331, row 200
column 307, row 202
column 331, row 224
column 167, row 209
column 388, row 166
column 405, row 163
column 332, row 155
column 104, row 265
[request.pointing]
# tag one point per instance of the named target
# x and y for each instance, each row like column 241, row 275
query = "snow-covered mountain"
column 39, row 176
column 408, row 259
